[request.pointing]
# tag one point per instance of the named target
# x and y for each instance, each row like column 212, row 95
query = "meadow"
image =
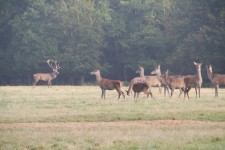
column 75, row 117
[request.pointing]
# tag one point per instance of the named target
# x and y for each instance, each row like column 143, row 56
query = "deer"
column 174, row 82
column 134, row 81
column 48, row 77
column 141, row 87
column 194, row 81
column 216, row 79
column 106, row 84
column 153, row 81
column 157, row 72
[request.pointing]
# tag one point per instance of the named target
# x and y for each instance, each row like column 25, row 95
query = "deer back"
column 152, row 80
column 109, row 84
column 191, row 80
column 176, row 81
column 218, row 79
column 139, row 87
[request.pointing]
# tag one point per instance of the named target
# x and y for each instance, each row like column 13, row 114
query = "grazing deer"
column 194, row 81
column 153, row 81
column 174, row 82
column 106, row 84
column 216, row 79
column 47, row 76
column 141, row 87
column 157, row 72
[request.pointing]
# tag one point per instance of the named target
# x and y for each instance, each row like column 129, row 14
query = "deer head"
column 209, row 67
column 198, row 65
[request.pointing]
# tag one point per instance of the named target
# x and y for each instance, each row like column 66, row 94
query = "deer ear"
column 158, row 66
column 195, row 63
column 167, row 71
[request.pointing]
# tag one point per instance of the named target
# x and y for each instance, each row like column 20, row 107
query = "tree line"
column 115, row 36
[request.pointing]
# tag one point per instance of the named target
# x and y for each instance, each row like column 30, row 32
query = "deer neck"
column 98, row 77
column 199, row 74
column 53, row 74
column 142, row 74
column 159, row 75
column 210, row 74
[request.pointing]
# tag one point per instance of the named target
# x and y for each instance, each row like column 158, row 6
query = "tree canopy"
column 115, row 36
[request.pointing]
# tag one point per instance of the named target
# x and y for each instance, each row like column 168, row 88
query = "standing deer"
column 106, row 84
column 194, row 81
column 216, row 79
column 134, row 81
column 157, row 72
column 47, row 76
column 153, row 81
column 174, row 82
column 141, row 87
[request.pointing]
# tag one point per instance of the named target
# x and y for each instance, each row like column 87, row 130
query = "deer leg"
column 168, row 90
column 188, row 92
column 119, row 95
column 199, row 91
column 164, row 91
column 102, row 93
column 216, row 90
column 134, row 95
column 34, row 83
column 160, row 89
column 146, row 92
column 181, row 91
column 119, row 91
column 196, row 92
column 172, row 90
column 150, row 93
column 48, row 84
column 123, row 93
column 138, row 94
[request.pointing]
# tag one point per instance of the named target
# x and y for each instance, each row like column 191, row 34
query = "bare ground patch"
column 115, row 124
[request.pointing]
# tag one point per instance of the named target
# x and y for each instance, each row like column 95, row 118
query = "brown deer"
column 153, row 81
column 141, row 87
column 194, row 81
column 106, row 84
column 174, row 82
column 216, row 79
column 157, row 72
column 134, row 81
column 47, row 76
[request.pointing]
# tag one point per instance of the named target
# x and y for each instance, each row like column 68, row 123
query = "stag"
column 106, row 84
column 194, row 81
column 216, row 79
column 48, row 77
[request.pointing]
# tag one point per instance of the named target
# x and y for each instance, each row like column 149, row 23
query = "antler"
column 56, row 66
column 49, row 63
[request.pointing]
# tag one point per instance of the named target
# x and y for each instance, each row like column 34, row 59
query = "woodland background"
column 115, row 36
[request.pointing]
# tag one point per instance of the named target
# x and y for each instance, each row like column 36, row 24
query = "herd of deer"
column 144, row 83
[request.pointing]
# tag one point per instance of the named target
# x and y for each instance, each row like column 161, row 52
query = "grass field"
column 74, row 117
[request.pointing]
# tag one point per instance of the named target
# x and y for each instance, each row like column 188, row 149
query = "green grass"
column 60, row 104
